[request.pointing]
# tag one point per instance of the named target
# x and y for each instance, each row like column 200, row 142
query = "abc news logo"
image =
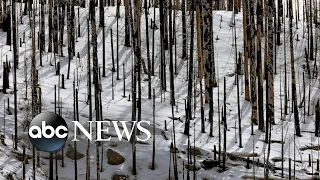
column 48, row 131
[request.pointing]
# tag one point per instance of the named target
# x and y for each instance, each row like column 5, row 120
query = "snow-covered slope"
column 119, row 108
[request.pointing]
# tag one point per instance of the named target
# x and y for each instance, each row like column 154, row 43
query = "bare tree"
column 269, row 77
column 293, row 75
column 245, row 41
column 15, row 67
column 50, row 25
column 55, row 26
column 200, row 62
column 253, row 66
column 259, row 65
column 137, row 62
column 127, row 23
column 95, row 76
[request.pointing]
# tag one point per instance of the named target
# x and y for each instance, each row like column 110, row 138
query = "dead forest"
column 245, row 101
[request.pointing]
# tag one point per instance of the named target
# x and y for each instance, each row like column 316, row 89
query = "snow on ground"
column 119, row 108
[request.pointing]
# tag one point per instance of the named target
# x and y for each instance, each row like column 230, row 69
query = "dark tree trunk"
column 72, row 30
column 55, row 26
column 245, row 40
column 42, row 27
column 95, row 76
column 259, row 65
column 190, row 74
column 184, row 30
column 50, row 25
column 200, row 62
column 293, row 76
column 317, row 124
column 253, row 65
column 61, row 25
column 101, row 13
column 148, row 50
column 137, row 63
column 127, row 23
column 90, row 105
column 8, row 26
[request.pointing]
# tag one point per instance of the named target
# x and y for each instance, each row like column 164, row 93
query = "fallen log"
column 29, row 156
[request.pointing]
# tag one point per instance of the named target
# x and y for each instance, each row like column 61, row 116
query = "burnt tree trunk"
column 50, row 25
column 259, row 12
column 253, row 66
column 293, row 76
column 127, row 23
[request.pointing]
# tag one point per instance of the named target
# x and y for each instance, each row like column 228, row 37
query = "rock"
column 172, row 150
column 70, row 154
column 193, row 167
column 230, row 75
column 120, row 177
column 209, row 164
column 195, row 151
column 113, row 144
column 2, row 140
column 114, row 158
column 9, row 176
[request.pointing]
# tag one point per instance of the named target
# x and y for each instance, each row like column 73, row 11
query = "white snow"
column 120, row 107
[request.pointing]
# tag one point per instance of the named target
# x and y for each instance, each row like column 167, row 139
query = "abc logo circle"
column 48, row 132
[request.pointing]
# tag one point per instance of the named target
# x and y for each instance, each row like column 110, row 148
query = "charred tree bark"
column 127, row 23
column 8, row 26
column 61, row 25
column 311, row 55
column 245, row 40
column 184, row 30
column 72, row 30
column 148, row 50
column 101, row 13
column 137, row 62
column 50, row 25
column 269, row 72
column 317, row 124
column 42, row 27
column 253, row 66
column 293, row 76
column 165, row 25
column 55, row 26
column 95, row 76
column 90, row 105
column 15, row 67
column 162, row 40
column 190, row 74
column 259, row 65
column 200, row 63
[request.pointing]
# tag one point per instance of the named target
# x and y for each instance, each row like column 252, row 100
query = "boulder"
column 193, row 167
column 209, row 164
column 120, row 177
column 195, row 151
column 114, row 158
column 70, row 154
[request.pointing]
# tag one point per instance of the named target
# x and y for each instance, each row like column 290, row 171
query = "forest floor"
column 119, row 108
